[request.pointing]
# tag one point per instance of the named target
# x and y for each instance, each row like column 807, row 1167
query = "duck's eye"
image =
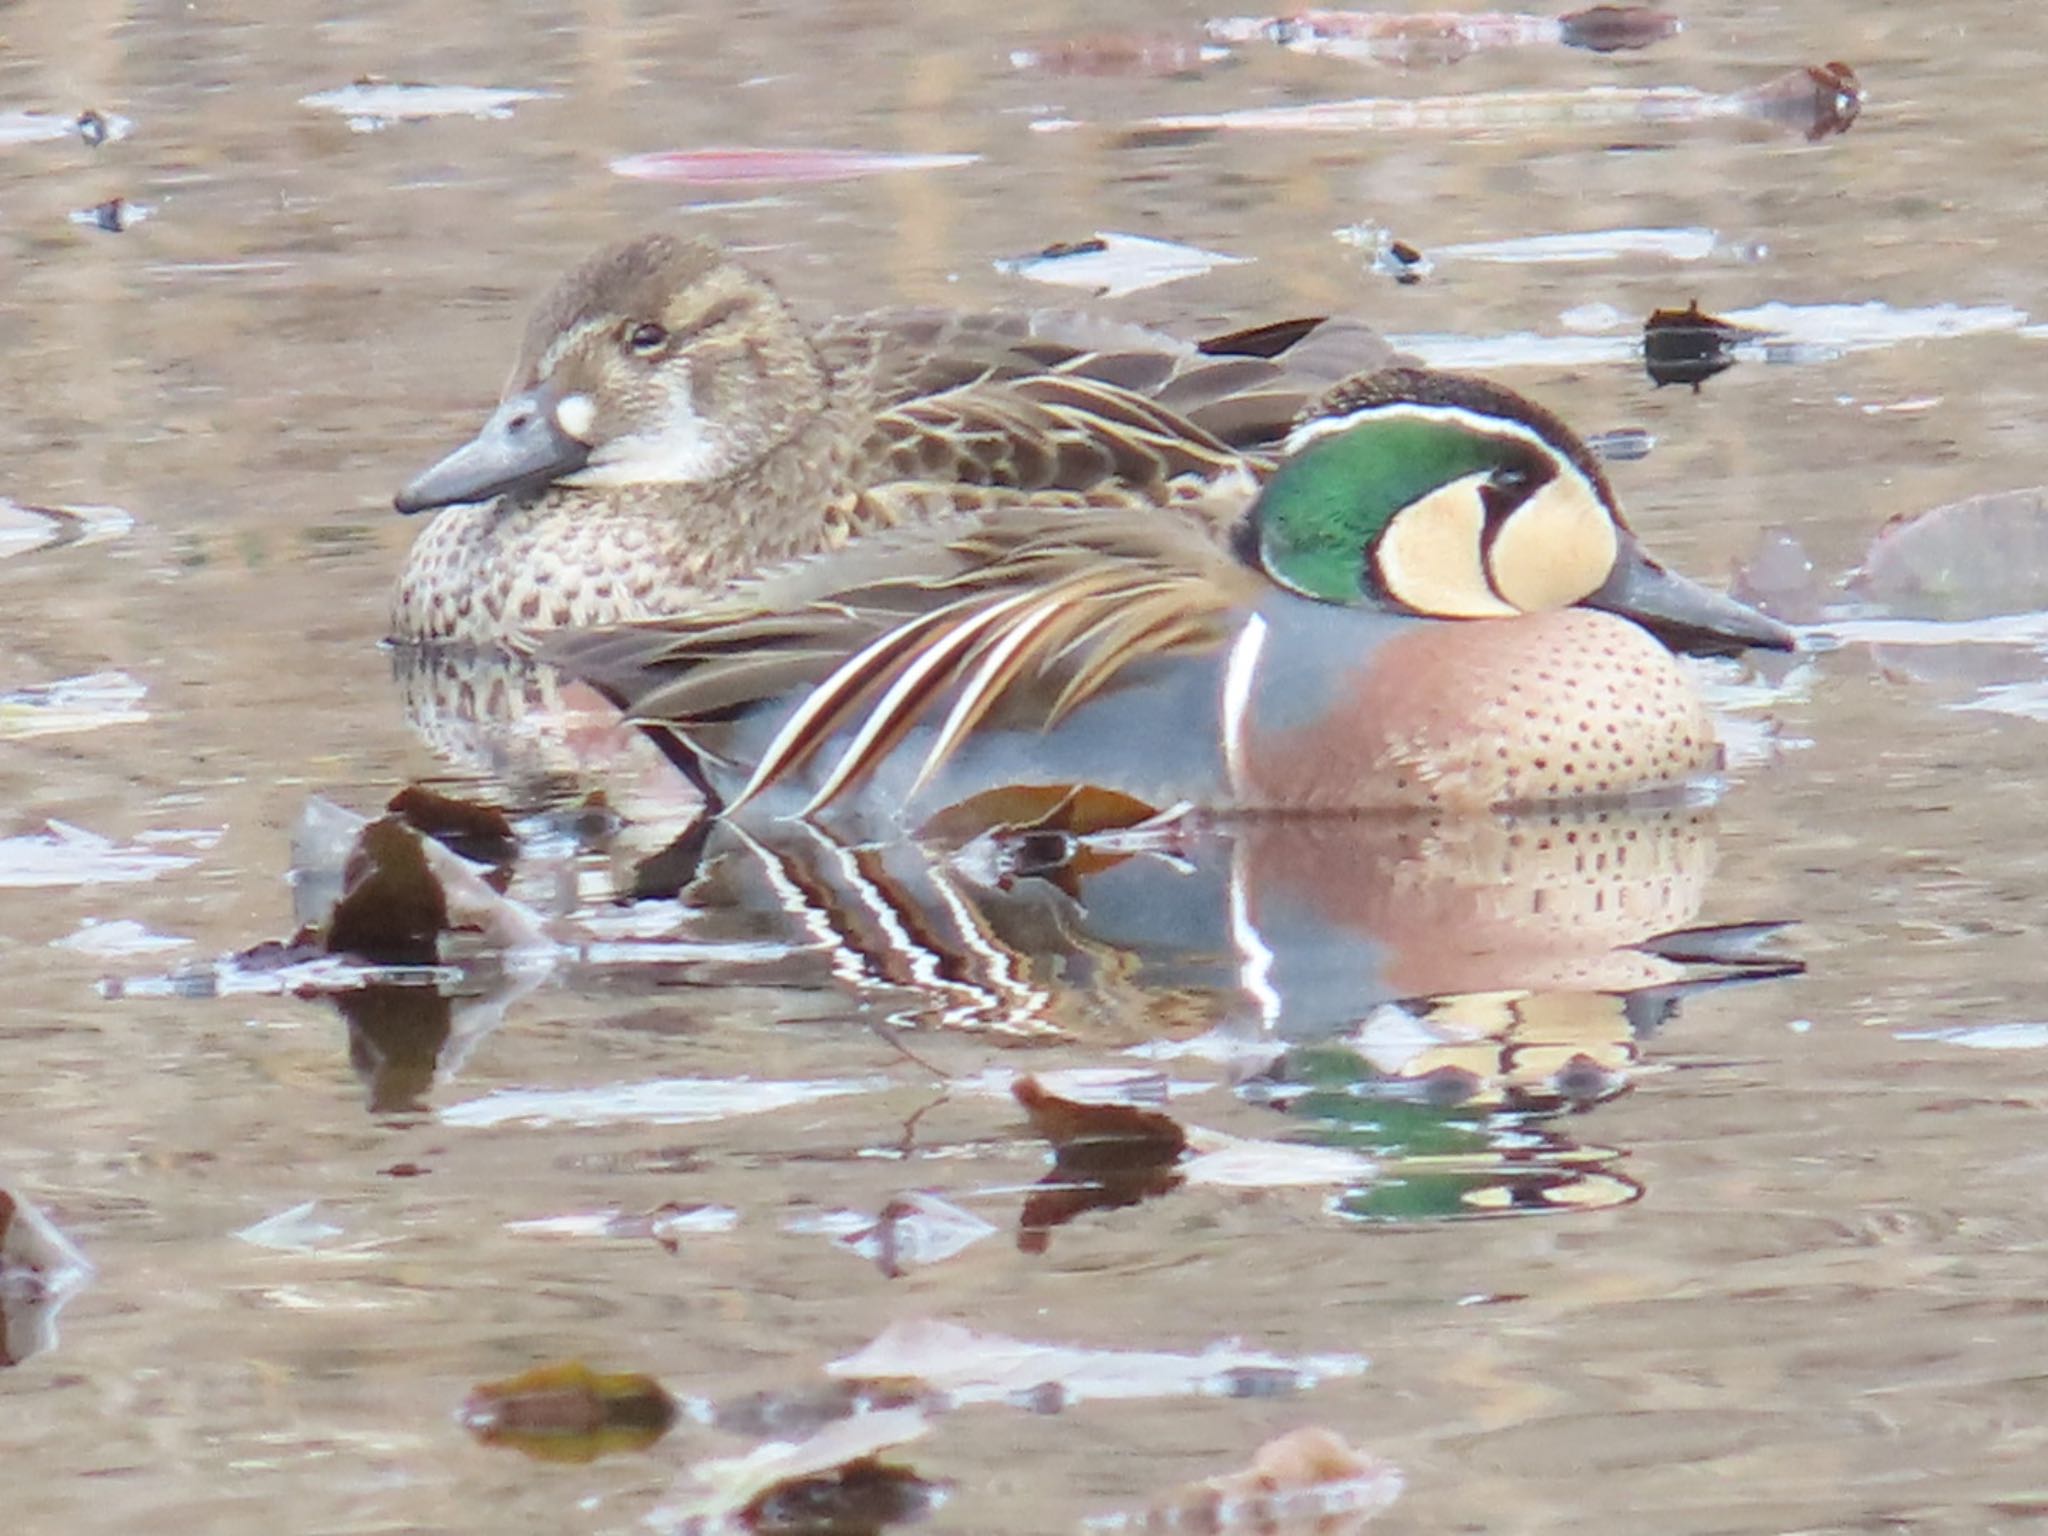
column 646, row 338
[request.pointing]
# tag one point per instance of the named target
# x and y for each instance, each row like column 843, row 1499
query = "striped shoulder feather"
column 1023, row 617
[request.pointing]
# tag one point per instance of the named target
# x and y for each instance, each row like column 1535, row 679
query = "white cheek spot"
column 575, row 414
column 679, row 449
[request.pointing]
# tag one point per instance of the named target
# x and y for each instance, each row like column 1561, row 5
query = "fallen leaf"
column 1306, row 1481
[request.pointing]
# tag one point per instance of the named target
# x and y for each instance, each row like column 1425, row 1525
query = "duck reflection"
column 1433, row 999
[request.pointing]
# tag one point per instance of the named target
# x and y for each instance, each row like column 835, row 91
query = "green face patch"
column 1329, row 504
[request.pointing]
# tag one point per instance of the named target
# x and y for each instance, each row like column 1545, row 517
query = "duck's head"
column 657, row 362
column 1450, row 497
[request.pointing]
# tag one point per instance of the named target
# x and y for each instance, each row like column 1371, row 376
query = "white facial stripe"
column 1554, row 548
column 1430, row 560
column 679, row 450
column 1411, row 410
column 574, row 415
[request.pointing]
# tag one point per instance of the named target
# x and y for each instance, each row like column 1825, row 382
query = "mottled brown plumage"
column 673, row 425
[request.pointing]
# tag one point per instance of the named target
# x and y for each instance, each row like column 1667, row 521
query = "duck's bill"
column 1683, row 614
column 521, row 448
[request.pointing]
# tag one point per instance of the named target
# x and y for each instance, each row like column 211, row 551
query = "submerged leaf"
column 569, row 1412
column 1969, row 559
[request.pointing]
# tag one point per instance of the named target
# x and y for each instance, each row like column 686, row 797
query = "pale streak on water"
column 1823, row 1313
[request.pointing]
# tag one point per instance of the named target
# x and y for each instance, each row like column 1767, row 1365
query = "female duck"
column 671, row 425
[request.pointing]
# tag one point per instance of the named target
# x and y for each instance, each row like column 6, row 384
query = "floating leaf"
column 1111, row 265
column 371, row 104
column 68, row 855
column 914, row 1231
column 1689, row 346
column 1968, row 559
column 25, row 528
column 971, row 1367
column 40, row 1270
column 392, row 908
column 811, row 1486
column 1819, row 101
column 91, row 128
column 568, row 1412
column 1690, row 244
column 739, row 166
column 1306, row 1481
column 295, row 1230
column 665, row 1224
column 114, row 216
column 72, row 704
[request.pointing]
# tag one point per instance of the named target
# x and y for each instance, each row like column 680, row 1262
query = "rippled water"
column 1768, row 1259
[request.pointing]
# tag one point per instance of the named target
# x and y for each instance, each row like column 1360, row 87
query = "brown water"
column 1804, row 1288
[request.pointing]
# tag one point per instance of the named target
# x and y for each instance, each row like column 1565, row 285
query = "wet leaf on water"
column 1968, row 559
column 66, row 855
column 1580, row 247
column 1390, row 256
column 970, row 1367
column 914, row 1231
column 1118, row 54
column 113, row 216
column 1445, row 37
column 832, row 1482
column 1819, row 101
column 1110, row 265
column 568, row 1412
column 742, row 166
column 394, row 895
column 298, row 1229
column 666, row 1225
column 393, row 909
column 371, row 103
column 40, row 1270
column 1779, row 577
column 72, row 704
column 92, row 128
column 1613, row 28
column 479, row 832
column 1108, row 1152
column 1689, row 346
column 1306, row 1481
column 1120, row 1129
column 25, row 528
